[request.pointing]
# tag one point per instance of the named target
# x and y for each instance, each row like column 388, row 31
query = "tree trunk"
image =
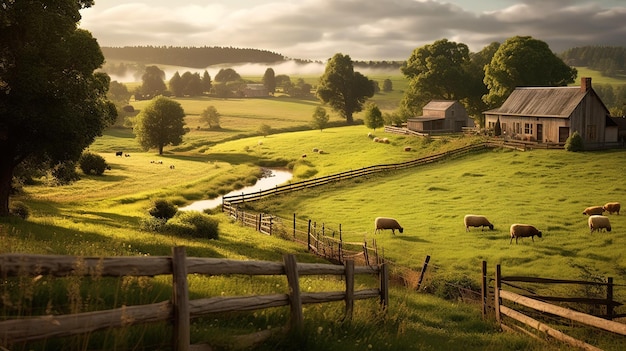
column 6, row 176
column 161, row 149
column 349, row 118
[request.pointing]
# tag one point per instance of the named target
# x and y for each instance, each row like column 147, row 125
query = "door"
column 563, row 134
column 539, row 133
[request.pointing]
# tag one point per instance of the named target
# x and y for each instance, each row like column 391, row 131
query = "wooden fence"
column 537, row 303
column 179, row 309
column 309, row 183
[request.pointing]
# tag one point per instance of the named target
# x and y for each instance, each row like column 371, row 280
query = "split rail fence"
column 179, row 310
column 495, row 301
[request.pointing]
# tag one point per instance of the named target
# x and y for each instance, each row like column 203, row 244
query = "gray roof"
column 541, row 102
column 439, row 105
column 424, row 119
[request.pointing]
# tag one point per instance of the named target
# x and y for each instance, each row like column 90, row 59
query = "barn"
column 440, row 116
column 255, row 90
column 552, row 114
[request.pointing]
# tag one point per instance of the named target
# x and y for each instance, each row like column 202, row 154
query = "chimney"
column 585, row 84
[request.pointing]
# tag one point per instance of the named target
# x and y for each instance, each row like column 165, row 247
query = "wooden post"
column 365, row 255
column 259, row 221
column 294, row 225
column 384, row 285
column 349, row 289
column 424, row 266
column 295, row 301
column 496, row 294
column 340, row 246
column 180, row 300
column 271, row 224
column 609, row 299
column 308, row 237
column 483, row 289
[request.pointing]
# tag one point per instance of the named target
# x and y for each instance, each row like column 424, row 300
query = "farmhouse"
column 552, row 114
column 440, row 116
column 255, row 90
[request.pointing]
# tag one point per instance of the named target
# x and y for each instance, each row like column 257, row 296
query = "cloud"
column 365, row 30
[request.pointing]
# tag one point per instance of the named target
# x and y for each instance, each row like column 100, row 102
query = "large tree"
column 153, row 82
column 160, row 123
column 373, row 116
column 524, row 61
column 269, row 81
column 52, row 104
column 344, row 89
column 436, row 71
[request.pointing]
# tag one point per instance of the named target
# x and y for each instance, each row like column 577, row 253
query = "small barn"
column 255, row 90
column 552, row 114
column 440, row 116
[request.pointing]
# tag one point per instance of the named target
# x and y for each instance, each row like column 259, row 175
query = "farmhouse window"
column 518, row 128
column 591, row 132
column 528, row 128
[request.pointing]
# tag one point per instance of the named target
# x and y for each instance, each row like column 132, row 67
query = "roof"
column 541, row 102
column 441, row 105
column 424, row 119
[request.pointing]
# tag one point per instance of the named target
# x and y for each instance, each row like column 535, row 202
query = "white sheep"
column 523, row 231
column 597, row 222
column 476, row 221
column 611, row 207
column 381, row 223
column 593, row 210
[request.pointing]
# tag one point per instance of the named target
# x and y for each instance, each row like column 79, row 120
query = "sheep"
column 407, row 148
column 597, row 222
column 593, row 210
column 523, row 231
column 381, row 223
column 476, row 221
column 303, row 155
column 611, row 207
column 376, row 140
column 370, row 135
column 384, row 141
column 315, row 150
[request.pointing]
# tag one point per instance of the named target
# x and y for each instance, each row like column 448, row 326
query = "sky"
column 363, row 29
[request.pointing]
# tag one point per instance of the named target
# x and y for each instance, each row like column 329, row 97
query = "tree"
column 211, row 117
column 436, row 71
column 118, row 93
column 387, row 85
column 52, row 103
column 476, row 87
column 160, row 123
column 320, row 118
column 344, row 89
column 192, row 84
column 153, row 82
column 524, row 61
column 227, row 75
column 176, row 85
column 206, row 82
column 269, row 81
column 497, row 129
column 373, row 116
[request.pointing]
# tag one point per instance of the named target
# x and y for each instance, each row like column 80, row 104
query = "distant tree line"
column 609, row 60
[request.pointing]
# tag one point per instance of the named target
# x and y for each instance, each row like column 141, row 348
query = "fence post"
column 424, row 266
column 609, row 299
column 259, row 221
column 340, row 246
column 384, row 285
column 294, row 225
column 365, row 254
column 496, row 294
column 180, row 300
column 271, row 224
column 295, row 301
column 483, row 289
column 308, row 238
column 349, row 289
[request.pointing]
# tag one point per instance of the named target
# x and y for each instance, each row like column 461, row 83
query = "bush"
column 163, row 209
column 152, row 224
column 19, row 209
column 195, row 224
column 91, row 163
column 574, row 143
column 64, row 173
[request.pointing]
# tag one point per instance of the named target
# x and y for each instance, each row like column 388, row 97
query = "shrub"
column 91, row 163
column 19, row 209
column 64, row 173
column 574, row 143
column 152, row 224
column 163, row 209
column 195, row 224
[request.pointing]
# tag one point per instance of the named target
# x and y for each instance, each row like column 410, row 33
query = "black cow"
column 119, row 153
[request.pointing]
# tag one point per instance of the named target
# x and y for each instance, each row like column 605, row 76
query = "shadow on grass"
column 410, row 238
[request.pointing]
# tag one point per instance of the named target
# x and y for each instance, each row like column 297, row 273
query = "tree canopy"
column 269, row 80
column 373, row 116
column 523, row 61
column 160, row 123
column 344, row 89
column 211, row 117
column 153, row 82
column 320, row 118
column 52, row 104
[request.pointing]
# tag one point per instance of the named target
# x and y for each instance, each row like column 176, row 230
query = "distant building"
column 255, row 90
column 440, row 116
column 552, row 114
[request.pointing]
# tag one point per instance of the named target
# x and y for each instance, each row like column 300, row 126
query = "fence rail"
column 179, row 309
column 538, row 303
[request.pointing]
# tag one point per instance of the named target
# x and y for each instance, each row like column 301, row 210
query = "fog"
column 290, row 68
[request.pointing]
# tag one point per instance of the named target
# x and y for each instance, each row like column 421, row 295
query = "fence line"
column 180, row 309
column 537, row 303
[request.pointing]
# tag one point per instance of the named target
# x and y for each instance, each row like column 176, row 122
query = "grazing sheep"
column 381, row 223
column 303, row 155
column 260, row 142
column 611, row 207
column 376, row 140
column 597, row 222
column 593, row 210
column 523, row 231
column 385, row 141
column 407, row 148
column 370, row 135
column 315, row 149
column 476, row 221
column 126, row 155
column 172, row 166
column 321, row 152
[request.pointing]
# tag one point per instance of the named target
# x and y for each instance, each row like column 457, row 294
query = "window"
column 528, row 128
column 517, row 129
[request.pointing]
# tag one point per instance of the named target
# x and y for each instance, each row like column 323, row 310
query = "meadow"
column 102, row 216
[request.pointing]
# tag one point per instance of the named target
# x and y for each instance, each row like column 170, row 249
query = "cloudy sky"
column 363, row 29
